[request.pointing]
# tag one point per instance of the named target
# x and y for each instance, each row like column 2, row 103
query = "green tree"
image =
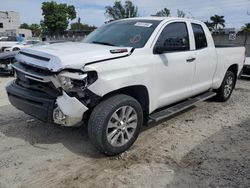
column 246, row 28
column 163, row 13
column 210, row 25
column 119, row 11
column 217, row 21
column 180, row 14
column 56, row 16
column 36, row 30
column 24, row 26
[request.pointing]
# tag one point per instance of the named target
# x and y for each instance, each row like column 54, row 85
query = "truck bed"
column 229, row 56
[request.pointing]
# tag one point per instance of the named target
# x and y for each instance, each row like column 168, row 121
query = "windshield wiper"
column 103, row 43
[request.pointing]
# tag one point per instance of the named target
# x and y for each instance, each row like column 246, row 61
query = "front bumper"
column 37, row 92
column 63, row 110
column 34, row 103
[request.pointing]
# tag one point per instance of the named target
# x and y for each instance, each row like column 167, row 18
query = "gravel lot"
column 206, row 146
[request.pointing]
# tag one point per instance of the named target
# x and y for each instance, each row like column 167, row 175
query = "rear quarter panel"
column 226, row 57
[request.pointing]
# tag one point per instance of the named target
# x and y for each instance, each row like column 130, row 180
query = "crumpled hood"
column 73, row 55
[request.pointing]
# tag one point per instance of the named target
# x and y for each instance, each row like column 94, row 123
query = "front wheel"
column 115, row 124
column 227, row 86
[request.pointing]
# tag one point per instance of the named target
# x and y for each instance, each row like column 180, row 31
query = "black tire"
column 101, row 117
column 12, row 72
column 223, row 96
column 16, row 49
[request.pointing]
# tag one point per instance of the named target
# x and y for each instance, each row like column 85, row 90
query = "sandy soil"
column 206, row 146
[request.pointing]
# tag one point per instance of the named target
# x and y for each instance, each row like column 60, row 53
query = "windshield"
column 124, row 33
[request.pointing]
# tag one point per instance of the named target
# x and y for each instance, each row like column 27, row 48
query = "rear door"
column 174, row 69
column 206, row 60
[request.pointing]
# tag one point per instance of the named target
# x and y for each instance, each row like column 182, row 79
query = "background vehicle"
column 24, row 44
column 246, row 68
column 151, row 69
column 6, row 42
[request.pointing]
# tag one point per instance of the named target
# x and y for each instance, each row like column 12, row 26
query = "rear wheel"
column 227, row 86
column 115, row 124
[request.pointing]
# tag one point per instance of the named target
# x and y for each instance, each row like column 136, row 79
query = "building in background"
column 9, row 25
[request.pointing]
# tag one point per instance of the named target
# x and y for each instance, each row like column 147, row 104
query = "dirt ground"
column 206, row 146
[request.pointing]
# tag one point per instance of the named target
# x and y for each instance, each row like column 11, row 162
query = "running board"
column 157, row 116
column 245, row 75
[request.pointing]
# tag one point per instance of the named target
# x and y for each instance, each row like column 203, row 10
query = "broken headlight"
column 76, row 81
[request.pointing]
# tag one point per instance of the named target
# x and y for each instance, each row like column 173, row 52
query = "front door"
column 175, row 67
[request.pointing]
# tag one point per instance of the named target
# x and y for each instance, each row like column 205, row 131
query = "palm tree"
column 210, row 25
column 217, row 21
column 119, row 11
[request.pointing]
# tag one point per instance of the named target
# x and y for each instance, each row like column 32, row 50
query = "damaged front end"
column 62, row 98
column 76, row 99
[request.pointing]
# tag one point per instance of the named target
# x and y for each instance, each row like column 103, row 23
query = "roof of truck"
column 163, row 18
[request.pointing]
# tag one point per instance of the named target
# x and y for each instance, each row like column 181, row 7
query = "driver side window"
column 174, row 38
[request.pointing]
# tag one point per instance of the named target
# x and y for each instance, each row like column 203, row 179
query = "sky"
column 92, row 11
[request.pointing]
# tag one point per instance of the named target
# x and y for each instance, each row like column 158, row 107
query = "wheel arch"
column 139, row 92
column 16, row 49
column 234, row 69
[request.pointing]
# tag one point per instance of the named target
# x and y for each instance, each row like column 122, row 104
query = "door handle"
column 191, row 59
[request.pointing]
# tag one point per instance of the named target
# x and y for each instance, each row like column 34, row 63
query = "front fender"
column 116, row 74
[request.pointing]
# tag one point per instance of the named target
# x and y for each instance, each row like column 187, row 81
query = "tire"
column 103, row 122
column 16, row 49
column 226, row 88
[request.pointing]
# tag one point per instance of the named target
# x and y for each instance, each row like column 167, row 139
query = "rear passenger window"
column 200, row 37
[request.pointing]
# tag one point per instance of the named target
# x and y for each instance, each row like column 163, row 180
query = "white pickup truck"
column 123, row 74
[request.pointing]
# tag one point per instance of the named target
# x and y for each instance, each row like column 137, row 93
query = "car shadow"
column 245, row 78
column 14, row 123
column 5, row 75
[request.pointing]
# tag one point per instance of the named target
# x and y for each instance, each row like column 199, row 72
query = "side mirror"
column 159, row 49
column 172, row 45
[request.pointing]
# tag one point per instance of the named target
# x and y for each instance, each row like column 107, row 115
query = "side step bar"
column 157, row 116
